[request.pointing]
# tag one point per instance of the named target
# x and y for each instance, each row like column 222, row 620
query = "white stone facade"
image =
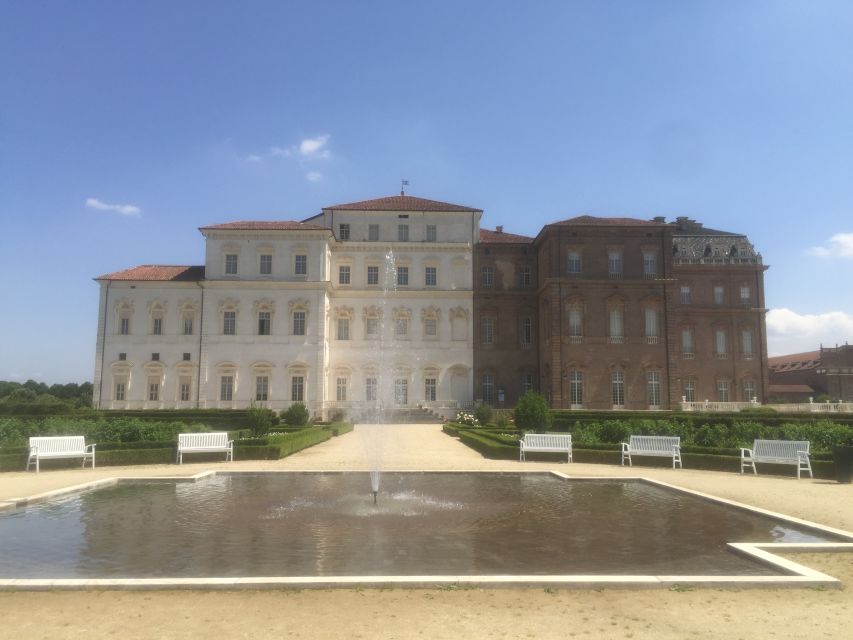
column 365, row 306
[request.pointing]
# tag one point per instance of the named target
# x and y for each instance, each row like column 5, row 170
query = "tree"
column 261, row 420
column 532, row 412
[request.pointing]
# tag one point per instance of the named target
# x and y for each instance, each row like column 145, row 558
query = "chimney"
column 499, row 228
column 659, row 219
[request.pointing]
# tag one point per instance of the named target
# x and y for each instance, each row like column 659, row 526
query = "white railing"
column 576, row 339
column 718, row 407
column 734, row 407
column 688, row 355
column 652, row 339
column 615, row 339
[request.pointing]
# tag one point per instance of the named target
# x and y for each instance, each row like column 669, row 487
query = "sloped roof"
column 594, row 221
column 497, row 237
column 401, row 203
column 266, row 225
column 687, row 227
column 794, row 361
column 158, row 272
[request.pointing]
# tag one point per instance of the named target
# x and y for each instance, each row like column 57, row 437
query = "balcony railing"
column 652, row 339
column 688, row 355
column 576, row 339
column 615, row 339
column 721, row 356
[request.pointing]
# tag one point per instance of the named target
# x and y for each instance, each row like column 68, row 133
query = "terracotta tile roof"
column 495, row 237
column 158, row 272
column 266, row 225
column 794, row 361
column 401, row 203
column 593, row 221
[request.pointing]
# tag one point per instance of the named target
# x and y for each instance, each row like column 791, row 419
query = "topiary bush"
column 296, row 414
column 532, row 412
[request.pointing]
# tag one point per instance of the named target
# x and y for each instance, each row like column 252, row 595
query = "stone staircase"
column 410, row 415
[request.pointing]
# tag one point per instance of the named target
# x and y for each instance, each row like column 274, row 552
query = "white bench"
column 215, row 441
column 52, row 447
column 549, row 442
column 661, row 446
column 795, row 452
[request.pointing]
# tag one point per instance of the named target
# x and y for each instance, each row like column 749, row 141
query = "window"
column 371, row 327
column 687, row 343
column 690, row 391
column 297, row 388
column 527, row 382
column 343, row 231
column 748, row 390
column 187, row 357
column 429, row 389
column 430, row 327
column 576, row 388
column 430, row 276
column 265, row 266
column 299, row 323
column 188, row 325
column 487, row 277
column 402, row 276
column 229, row 323
column 723, row 391
column 157, row 326
column 344, row 274
column 124, row 326
column 264, row 323
column 231, row 264
column 746, row 344
column 401, row 327
column 573, row 263
column 341, row 389
column 343, row 328
column 226, row 388
column 373, row 232
column 401, row 391
column 403, row 232
column 653, row 389
column 431, row 233
column 155, row 357
column 370, row 389
column 524, row 276
column 616, row 327
column 719, row 294
column 526, row 337
column 650, row 265
column 122, row 356
column 153, row 389
column 720, row 344
column 685, row 294
column 617, row 388
column 372, row 275
column 614, row 264
column 651, row 326
column 745, row 296
column 487, row 330
column 262, row 388
column 575, row 325
column 120, row 390
column 488, row 386
column 300, row 264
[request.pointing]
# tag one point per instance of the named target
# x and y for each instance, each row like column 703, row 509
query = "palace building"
column 407, row 302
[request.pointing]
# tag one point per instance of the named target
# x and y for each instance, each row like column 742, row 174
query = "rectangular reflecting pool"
column 326, row 524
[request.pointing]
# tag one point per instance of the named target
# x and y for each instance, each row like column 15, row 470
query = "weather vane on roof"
column 403, row 185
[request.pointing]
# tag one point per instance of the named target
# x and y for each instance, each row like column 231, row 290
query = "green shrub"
column 483, row 414
column 532, row 413
column 296, row 414
column 261, row 419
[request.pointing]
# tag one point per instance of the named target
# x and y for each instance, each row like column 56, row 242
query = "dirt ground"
column 452, row 611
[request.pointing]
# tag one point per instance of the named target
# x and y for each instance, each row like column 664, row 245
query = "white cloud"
column 121, row 209
column 309, row 149
column 315, row 147
column 791, row 332
column 253, row 158
column 314, row 176
column 839, row 246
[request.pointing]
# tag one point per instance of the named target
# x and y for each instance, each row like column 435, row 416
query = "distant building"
column 403, row 301
column 827, row 372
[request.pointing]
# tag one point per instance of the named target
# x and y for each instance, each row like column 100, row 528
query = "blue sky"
column 124, row 126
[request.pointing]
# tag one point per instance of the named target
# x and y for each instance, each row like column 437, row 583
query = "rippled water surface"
column 423, row 524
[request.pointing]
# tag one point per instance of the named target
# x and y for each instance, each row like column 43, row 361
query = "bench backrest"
column 213, row 439
column 547, row 440
column 58, row 444
column 779, row 448
column 654, row 443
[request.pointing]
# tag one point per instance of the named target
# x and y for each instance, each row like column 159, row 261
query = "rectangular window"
column 487, row 277
column 401, row 391
column 527, row 382
column 488, row 386
column 650, row 265
column 723, row 391
column 573, row 263
column 653, row 388
column 153, row 389
column 157, row 328
column 155, row 356
column 617, row 388
column 343, row 231
column 299, row 323
column 343, row 328
column 429, row 389
column 401, row 327
column 124, row 326
column 372, row 275
column 262, row 388
column 300, row 265
column 746, row 344
column 403, row 232
column 121, row 389
column 402, row 276
column 370, row 389
column 185, row 388
column 265, row 267
column 341, row 389
column 373, row 232
column 431, row 233
column 122, row 355
column 186, row 356
column 690, row 391
column 297, row 388
column 231, row 264
column 371, row 327
column 614, row 264
column 487, row 330
column 748, row 390
column 651, row 326
column 226, row 388
column 264, row 323
column 524, row 276
column 526, row 331
column 576, row 388
column 430, row 276
column 685, row 294
column 745, row 296
column 229, row 323
column 430, row 327
column 616, row 336
column 575, row 325
column 344, row 274
column 188, row 325
column 720, row 344
column 719, row 295
column 687, row 343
